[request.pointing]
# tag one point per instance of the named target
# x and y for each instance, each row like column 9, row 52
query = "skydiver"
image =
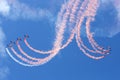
column 109, row 48
column 106, row 51
column 26, row 36
column 12, row 42
column 19, row 39
column 102, row 50
column 8, row 45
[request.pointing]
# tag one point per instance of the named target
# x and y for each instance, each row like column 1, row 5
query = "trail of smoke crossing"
column 71, row 13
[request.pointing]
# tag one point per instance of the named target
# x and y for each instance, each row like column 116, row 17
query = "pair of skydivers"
column 106, row 52
column 18, row 39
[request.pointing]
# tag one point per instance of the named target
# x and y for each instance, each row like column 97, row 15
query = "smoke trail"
column 21, row 63
column 28, row 65
column 79, row 24
column 24, row 53
column 67, row 15
column 50, row 51
column 35, row 50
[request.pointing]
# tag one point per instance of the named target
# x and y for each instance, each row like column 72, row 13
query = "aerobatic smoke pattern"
column 72, row 15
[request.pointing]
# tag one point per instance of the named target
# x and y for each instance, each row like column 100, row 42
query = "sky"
column 37, row 18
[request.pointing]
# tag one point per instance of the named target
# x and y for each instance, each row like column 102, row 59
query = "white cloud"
column 4, row 7
column 13, row 9
column 117, row 6
column 112, row 30
column 116, row 30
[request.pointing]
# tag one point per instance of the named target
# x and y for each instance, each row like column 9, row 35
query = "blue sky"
column 70, row 63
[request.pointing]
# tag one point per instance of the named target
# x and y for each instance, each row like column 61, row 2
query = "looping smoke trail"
column 50, row 51
column 71, row 16
column 17, row 61
column 25, row 54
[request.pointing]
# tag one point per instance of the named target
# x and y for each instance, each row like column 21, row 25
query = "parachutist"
column 26, row 36
column 19, row 39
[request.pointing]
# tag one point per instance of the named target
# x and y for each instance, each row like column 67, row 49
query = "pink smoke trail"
column 50, row 51
column 40, row 62
column 16, row 60
column 24, row 53
column 92, row 8
column 79, row 23
column 63, row 24
column 57, row 44
column 80, row 44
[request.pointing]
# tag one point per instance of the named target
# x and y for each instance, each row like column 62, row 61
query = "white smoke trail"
column 21, row 63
